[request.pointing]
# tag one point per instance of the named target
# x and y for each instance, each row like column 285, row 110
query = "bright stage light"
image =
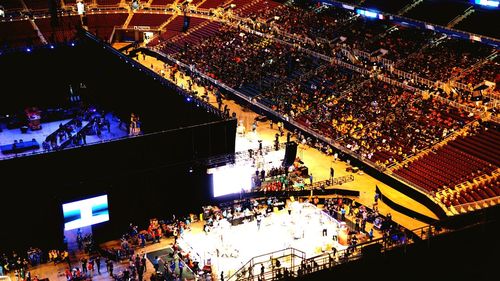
column 231, row 179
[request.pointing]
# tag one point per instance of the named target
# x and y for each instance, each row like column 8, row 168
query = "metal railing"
column 267, row 260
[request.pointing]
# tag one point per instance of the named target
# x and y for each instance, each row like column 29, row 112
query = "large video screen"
column 231, row 179
column 85, row 212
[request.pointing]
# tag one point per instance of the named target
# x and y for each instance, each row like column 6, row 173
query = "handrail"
column 463, row 207
column 287, row 252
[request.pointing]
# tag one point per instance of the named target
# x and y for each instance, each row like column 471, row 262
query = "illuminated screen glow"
column 85, row 212
column 368, row 14
column 231, row 179
column 488, row 3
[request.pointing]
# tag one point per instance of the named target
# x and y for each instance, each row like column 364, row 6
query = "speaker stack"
column 290, row 153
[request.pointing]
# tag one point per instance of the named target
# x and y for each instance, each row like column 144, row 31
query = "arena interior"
column 249, row 139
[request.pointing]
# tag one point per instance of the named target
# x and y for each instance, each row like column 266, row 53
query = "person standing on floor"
column 181, row 267
column 143, row 263
column 140, row 272
column 84, row 265
column 98, row 264
column 156, row 263
column 110, row 265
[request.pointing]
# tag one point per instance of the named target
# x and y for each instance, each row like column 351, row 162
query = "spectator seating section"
column 103, row 24
column 108, row 2
column 64, row 31
column 172, row 29
column 478, row 192
column 40, row 4
column 400, row 42
column 461, row 160
column 151, row 20
column 161, row 2
column 246, row 7
column 361, row 32
column 313, row 25
column 489, row 71
column 12, row 4
column 196, row 2
column 199, row 30
column 443, row 11
column 176, row 24
column 387, row 6
column 25, row 34
column 208, row 4
column 446, row 59
column 73, row 2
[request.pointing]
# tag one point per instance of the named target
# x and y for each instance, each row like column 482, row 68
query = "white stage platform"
column 230, row 247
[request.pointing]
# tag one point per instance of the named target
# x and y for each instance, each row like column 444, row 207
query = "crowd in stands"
column 252, row 57
column 335, row 25
column 445, row 58
column 363, row 122
column 400, row 42
column 488, row 71
column 383, row 122
column 308, row 24
column 324, row 85
column 377, row 121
